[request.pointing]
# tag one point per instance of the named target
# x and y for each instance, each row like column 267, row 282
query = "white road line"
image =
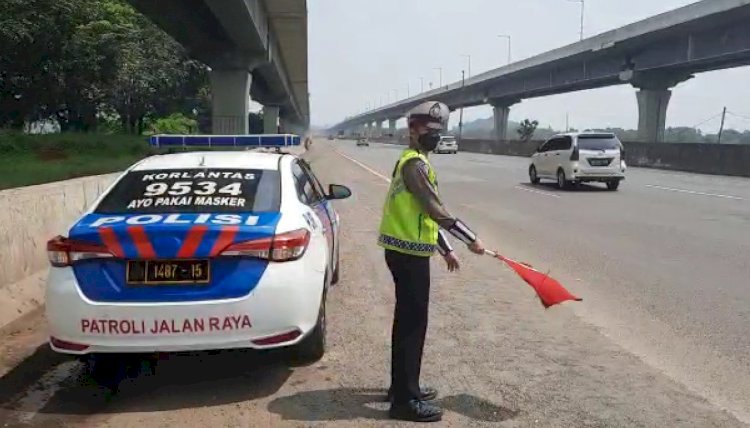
column 367, row 168
column 39, row 394
column 693, row 192
column 538, row 192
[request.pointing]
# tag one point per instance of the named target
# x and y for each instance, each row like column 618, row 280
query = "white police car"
column 199, row 251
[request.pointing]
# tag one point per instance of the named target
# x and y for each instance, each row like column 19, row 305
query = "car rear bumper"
column 447, row 149
column 285, row 303
column 597, row 175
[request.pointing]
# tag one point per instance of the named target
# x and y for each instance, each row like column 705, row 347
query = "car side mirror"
column 337, row 191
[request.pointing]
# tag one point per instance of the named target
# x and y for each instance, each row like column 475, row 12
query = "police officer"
column 411, row 230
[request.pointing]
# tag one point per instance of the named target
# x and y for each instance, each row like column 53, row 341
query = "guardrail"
column 715, row 159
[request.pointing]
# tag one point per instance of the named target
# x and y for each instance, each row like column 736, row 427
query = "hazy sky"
column 365, row 50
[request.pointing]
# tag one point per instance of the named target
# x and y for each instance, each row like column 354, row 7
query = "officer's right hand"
column 452, row 262
column 477, row 247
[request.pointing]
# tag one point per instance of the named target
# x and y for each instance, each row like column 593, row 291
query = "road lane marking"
column 367, row 168
column 693, row 192
column 538, row 192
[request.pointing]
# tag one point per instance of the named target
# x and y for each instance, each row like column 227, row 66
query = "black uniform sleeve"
column 415, row 174
column 444, row 246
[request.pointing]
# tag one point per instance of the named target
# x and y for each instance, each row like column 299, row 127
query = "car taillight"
column 575, row 155
column 68, row 346
column 279, row 338
column 280, row 248
column 64, row 252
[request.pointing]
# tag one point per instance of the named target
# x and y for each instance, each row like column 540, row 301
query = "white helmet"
column 433, row 114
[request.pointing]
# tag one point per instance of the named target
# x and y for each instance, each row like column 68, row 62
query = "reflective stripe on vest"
column 405, row 227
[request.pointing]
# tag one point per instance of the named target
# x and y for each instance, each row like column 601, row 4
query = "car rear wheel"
column 109, row 370
column 313, row 346
column 613, row 185
column 562, row 181
column 533, row 177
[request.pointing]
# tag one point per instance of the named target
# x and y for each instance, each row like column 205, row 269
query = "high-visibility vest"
column 405, row 226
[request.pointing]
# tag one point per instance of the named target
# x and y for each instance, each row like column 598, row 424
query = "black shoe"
column 416, row 411
column 426, row 393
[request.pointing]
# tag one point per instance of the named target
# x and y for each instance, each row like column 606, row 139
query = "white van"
column 447, row 144
column 579, row 157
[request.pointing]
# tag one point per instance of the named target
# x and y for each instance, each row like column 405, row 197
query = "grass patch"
column 36, row 159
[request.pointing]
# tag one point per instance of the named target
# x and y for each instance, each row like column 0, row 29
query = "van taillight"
column 575, row 155
column 280, row 248
column 64, row 252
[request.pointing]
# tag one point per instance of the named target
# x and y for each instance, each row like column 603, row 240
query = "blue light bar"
column 263, row 140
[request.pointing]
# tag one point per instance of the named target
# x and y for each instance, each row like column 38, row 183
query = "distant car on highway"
column 447, row 144
column 199, row 251
column 576, row 158
column 362, row 141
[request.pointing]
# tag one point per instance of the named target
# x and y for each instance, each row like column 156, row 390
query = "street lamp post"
column 421, row 79
column 440, row 70
column 505, row 36
column 583, row 6
column 461, row 114
column 469, row 58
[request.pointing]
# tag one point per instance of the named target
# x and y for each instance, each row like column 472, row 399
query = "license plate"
column 599, row 162
column 166, row 272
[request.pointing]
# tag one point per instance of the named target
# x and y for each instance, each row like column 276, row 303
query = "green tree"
column 176, row 123
column 86, row 62
column 526, row 129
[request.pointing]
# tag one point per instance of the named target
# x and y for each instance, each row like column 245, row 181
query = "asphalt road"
column 663, row 263
column 617, row 359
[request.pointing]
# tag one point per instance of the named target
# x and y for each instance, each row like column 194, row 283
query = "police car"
column 199, row 250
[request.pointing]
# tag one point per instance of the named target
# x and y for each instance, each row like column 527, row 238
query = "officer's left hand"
column 477, row 247
column 452, row 262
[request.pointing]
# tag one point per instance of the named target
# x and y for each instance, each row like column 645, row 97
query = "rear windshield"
column 449, row 139
column 598, row 143
column 194, row 191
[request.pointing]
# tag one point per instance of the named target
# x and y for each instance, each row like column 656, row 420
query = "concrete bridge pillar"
column 287, row 126
column 379, row 128
column 284, row 125
column 270, row 120
column 230, row 104
column 501, row 113
column 392, row 127
column 652, row 114
column 653, row 100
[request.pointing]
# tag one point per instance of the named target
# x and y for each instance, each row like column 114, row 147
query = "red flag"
column 550, row 291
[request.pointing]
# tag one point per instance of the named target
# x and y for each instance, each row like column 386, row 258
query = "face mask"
column 429, row 141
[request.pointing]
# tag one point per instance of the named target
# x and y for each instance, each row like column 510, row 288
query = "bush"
column 35, row 159
column 176, row 123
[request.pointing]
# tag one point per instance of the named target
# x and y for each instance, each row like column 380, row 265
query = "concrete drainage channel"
column 29, row 217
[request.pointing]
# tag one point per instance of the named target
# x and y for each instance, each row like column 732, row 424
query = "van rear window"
column 599, row 142
column 194, row 191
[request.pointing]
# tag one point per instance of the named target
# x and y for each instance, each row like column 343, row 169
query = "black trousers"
column 411, row 275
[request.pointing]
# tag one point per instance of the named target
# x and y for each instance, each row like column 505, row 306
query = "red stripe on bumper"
column 192, row 242
column 225, row 239
column 141, row 242
column 109, row 238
